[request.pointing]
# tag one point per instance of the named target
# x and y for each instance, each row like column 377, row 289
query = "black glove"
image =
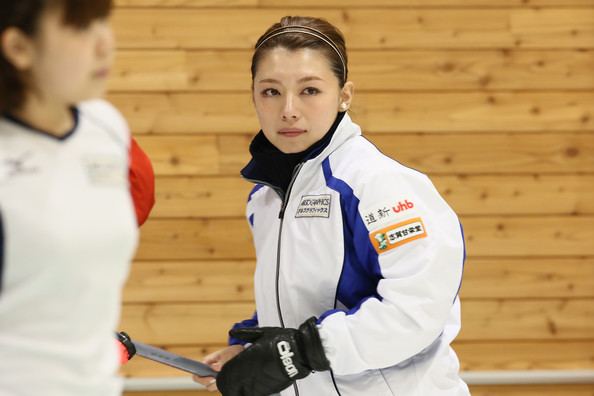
column 277, row 358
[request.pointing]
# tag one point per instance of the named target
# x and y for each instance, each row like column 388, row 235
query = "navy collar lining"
column 24, row 124
column 273, row 167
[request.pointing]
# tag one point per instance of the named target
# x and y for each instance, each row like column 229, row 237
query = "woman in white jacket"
column 359, row 259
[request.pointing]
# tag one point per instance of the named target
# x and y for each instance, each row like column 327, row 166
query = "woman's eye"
column 270, row 92
column 311, row 91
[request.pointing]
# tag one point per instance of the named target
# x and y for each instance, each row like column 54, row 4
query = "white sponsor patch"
column 106, row 170
column 314, row 206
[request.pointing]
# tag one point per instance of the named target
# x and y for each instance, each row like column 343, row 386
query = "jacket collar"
column 272, row 167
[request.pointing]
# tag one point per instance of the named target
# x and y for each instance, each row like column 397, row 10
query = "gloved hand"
column 276, row 358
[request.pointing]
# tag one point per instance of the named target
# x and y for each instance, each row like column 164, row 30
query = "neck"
column 54, row 118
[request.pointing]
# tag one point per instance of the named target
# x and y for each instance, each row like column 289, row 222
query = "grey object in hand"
column 173, row 360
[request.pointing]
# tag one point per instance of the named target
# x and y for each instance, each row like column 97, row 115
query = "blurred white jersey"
column 68, row 234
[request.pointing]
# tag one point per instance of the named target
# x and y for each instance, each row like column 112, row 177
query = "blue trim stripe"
column 253, row 322
column 254, row 190
column 361, row 270
column 75, row 119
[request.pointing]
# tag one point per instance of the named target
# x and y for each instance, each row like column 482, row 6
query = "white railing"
column 471, row 378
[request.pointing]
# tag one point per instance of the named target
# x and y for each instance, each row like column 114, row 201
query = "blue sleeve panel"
column 361, row 270
column 253, row 322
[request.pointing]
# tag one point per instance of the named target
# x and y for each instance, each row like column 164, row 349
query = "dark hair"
column 294, row 40
column 25, row 15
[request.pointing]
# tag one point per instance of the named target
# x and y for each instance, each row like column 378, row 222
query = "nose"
column 290, row 111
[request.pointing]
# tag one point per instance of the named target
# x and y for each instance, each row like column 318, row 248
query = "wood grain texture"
column 494, row 99
column 492, row 236
column 196, row 113
column 190, row 281
column 503, row 154
column 364, row 28
column 484, row 278
column 387, row 70
column 352, row 3
column 544, row 278
column 226, row 196
column 493, row 320
column 474, row 356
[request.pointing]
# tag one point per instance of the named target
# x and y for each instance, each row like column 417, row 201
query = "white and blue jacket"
column 369, row 247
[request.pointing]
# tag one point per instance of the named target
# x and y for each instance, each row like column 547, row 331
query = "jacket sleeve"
column 253, row 322
column 411, row 241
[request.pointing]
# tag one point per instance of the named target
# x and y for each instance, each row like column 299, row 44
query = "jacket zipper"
column 281, row 216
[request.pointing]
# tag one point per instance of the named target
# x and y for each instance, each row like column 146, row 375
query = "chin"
column 292, row 149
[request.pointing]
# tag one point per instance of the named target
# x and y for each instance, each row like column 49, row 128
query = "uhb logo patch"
column 397, row 234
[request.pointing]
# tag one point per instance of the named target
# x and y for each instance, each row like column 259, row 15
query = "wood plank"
column 215, row 197
column 187, row 113
column 529, row 236
column 527, row 278
column 228, row 70
column 491, row 153
column 231, row 281
column 190, row 197
column 363, row 28
column 351, row 3
column 493, row 236
column 376, row 112
column 196, row 155
column 435, row 154
column 566, row 319
column 195, row 239
column 525, row 355
column 183, row 324
column 474, row 356
column 187, row 281
column 476, row 390
column 493, row 320
column 518, row 194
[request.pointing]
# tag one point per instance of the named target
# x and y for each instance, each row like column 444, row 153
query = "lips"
column 101, row 73
column 291, row 132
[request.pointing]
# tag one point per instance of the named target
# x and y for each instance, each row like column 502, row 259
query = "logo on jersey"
column 381, row 214
column 314, row 206
column 105, row 170
column 284, row 348
column 397, row 235
column 402, row 206
column 17, row 166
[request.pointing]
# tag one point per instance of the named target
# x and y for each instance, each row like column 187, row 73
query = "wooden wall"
column 494, row 99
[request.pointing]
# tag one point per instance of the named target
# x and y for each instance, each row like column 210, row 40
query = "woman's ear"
column 17, row 48
column 346, row 95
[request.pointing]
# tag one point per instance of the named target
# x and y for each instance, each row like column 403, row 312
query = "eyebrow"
column 301, row 80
